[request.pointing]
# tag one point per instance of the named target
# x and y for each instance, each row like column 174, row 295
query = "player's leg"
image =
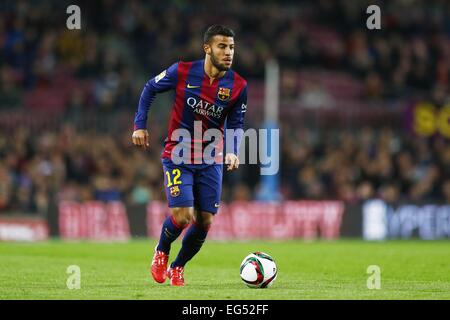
column 178, row 182
column 192, row 242
column 194, row 238
column 207, row 192
column 172, row 227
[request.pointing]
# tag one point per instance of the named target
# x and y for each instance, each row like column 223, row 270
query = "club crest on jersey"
column 224, row 93
column 174, row 191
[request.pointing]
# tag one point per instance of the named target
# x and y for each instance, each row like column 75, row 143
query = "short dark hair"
column 217, row 29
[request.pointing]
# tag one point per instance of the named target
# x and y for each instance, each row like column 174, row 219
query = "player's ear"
column 207, row 48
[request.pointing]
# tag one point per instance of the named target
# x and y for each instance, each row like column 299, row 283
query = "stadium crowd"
column 122, row 43
column 101, row 69
column 351, row 166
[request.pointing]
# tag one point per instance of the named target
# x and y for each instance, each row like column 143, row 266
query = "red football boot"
column 159, row 266
column 176, row 276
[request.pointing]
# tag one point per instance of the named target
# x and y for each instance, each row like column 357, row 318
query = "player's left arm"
column 235, row 122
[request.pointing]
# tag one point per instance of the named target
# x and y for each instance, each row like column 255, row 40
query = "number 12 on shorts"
column 176, row 173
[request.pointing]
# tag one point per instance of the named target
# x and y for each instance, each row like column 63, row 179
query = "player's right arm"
column 165, row 81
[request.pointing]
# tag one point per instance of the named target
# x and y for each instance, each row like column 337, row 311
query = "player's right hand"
column 140, row 138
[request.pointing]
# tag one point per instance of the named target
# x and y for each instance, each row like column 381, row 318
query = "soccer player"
column 208, row 92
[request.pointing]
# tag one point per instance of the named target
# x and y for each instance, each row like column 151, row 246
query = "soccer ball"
column 258, row 270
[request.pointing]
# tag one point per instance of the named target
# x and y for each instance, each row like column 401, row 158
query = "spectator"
column 90, row 75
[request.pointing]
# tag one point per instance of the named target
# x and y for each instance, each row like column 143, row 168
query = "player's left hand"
column 232, row 161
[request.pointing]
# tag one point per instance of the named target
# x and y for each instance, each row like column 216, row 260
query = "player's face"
column 221, row 50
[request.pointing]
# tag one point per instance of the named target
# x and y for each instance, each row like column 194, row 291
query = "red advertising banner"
column 23, row 229
column 93, row 220
column 261, row 220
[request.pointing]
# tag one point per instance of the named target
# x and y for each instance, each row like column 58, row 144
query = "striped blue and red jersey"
column 218, row 105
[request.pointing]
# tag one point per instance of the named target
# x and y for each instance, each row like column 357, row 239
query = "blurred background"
column 363, row 114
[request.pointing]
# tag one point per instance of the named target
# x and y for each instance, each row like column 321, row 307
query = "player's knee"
column 205, row 220
column 182, row 216
column 206, row 225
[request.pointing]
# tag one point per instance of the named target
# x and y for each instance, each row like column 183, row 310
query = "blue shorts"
column 193, row 185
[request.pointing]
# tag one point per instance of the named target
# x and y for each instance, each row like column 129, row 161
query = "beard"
column 218, row 65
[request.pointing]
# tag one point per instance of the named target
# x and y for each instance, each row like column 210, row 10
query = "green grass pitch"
column 315, row 270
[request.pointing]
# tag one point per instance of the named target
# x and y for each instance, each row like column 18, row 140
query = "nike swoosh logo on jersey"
column 192, row 87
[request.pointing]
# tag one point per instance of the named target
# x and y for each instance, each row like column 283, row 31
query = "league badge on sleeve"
column 160, row 76
column 224, row 93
